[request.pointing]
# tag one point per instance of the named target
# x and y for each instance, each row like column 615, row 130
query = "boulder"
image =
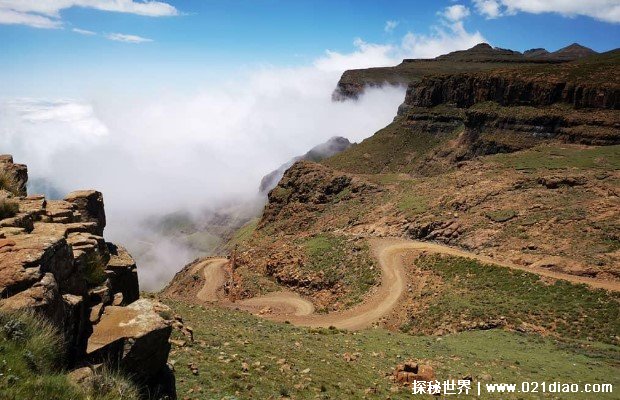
column 25, row 262
column 411, row 371
column 19, row 171
column 89, row 204
column 122, row 274
column 134, row 337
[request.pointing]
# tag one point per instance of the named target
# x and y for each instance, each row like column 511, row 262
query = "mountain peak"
column 572, row 52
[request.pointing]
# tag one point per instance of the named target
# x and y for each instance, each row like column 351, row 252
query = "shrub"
column 8, row 182
column 94, row 272
column 8, row 207
column 31, row 355
column 109, row 385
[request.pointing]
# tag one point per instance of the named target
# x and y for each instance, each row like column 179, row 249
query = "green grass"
column 472, row 291
column 8, row 207
column 340, row 262
column 394, row 148
column 30, row 365
column 243, row 234
column 547, row 157
column 308, row 363
column 203, row 242
column 94, row 269
column 412, row 204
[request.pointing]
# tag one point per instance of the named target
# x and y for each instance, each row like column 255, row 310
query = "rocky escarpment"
column 306, row 188
column 481, row 57
column 55, row 262
column 333, row 146
column 510, row 110
column 506, row 89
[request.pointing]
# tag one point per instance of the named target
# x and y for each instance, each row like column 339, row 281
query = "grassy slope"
column 327, row 254
column 307, row 364
column 394, row 148
column 473, row 292
column 556, row 157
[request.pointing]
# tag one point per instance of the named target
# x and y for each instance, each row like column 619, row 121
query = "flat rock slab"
column 131, row 322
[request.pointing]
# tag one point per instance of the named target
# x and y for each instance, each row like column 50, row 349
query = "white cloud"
column 604, row 10
column 366, row 55
column 46, row 13
column 449, row 35
column 390, row 26
column 158, row 154
column 455, row 13
column 12, row 17
column 488, row 8
column 84, row 32
column 121, row 37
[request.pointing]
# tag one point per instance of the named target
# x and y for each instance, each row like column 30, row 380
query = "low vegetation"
column 474, row 292
column 394, row 148
column 340, row 262
column 412, row 204
column 555, row 157
column 30, row 359
column 501, row 215
column 94, row 271
column 8, row 207
column 234, row 357
column 8, row 182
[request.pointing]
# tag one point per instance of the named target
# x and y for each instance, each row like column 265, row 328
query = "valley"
column 476, row 238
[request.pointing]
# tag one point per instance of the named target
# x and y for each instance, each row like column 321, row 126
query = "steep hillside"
column 494, row 112
column 491, row 203
column 519, row 164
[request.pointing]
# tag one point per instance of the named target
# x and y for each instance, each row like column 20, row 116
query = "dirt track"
column 289, row 306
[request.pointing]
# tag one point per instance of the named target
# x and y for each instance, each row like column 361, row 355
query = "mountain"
column 571, row 52
column 478, row 58
column 319, row 152
column 484, row 216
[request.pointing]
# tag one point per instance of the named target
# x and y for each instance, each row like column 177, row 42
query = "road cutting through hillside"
column 289, row 306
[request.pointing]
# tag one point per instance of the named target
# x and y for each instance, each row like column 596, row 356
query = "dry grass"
column 9, row 183
column 8, row 207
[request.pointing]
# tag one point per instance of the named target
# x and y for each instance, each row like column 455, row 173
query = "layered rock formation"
column 54, row 261
column 333, row 146
column 309, row 187
column 481, row 57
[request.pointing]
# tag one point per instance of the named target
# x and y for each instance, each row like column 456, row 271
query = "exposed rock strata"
column 54, row 261
column 481, row 57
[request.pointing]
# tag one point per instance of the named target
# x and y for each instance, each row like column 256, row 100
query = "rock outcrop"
column 307, row 187
column 54, row 261
column 465, row 90
column 333, row 146
column 481, row 57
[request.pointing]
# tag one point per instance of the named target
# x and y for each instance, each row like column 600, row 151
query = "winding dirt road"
column 289, row 306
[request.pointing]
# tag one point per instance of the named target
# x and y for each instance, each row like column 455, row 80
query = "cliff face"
column 309, row 187
column 55, row 262
column 481, row 57
column 465, row 90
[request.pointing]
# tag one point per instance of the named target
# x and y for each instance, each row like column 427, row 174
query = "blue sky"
column 204, row 40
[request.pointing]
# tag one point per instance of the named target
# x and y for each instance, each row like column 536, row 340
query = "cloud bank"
column 160, row 154
column 603, row 10
column 46, row 14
